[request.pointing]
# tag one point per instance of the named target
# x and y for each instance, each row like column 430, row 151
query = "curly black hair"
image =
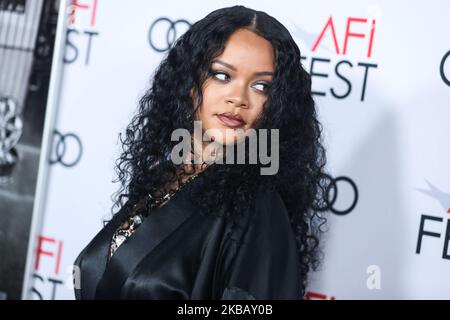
column 144, row 166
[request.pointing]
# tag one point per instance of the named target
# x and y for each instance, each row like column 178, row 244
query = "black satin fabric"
column 178, row 253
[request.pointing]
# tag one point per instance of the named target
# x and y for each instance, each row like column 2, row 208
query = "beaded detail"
column 129, row 226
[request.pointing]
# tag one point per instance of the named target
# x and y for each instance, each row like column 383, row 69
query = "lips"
column 231, row 120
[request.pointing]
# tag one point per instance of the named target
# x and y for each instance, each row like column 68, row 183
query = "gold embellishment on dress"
column 129, row 226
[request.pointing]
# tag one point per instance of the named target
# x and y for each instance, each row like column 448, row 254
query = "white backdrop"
column 388, row 134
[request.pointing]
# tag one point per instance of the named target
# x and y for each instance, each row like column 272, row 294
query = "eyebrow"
column 260, row 73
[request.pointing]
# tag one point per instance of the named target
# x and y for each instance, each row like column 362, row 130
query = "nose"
column 238, row 97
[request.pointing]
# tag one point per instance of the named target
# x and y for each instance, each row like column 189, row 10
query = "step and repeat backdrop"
column 381, row 81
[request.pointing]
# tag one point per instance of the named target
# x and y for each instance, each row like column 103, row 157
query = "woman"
column 206, row 229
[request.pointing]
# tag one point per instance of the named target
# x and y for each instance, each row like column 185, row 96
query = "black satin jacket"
column 178, row 253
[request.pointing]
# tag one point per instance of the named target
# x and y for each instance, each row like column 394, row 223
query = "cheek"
column 210, row 105
column 213, row 104
column 206, row 112
column 211, row 99
column 257, row 110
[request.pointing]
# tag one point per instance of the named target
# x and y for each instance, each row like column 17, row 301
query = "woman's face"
column 237, row 87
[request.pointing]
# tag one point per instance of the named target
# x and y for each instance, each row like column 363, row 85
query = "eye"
column 220, row 75
column 261, row 86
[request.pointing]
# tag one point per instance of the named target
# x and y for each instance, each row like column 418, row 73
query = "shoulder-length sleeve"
column 266, row 261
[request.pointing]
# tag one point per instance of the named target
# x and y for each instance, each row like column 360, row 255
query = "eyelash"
column 215, row 73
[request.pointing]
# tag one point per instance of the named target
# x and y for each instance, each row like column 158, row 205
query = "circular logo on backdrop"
column 442, row 69
column 164, row 32
column 67, row 149
column 332, row 195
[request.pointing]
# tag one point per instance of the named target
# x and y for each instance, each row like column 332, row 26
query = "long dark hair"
column 143, row 167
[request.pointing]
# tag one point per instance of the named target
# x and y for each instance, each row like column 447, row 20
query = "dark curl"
column 145, row 168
